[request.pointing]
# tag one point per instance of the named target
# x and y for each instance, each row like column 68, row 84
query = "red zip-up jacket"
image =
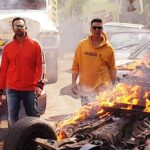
column 21, row 66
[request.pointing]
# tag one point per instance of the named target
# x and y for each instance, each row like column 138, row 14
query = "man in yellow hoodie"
column 94, row 63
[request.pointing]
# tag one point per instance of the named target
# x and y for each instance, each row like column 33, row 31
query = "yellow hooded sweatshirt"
column 96, row 66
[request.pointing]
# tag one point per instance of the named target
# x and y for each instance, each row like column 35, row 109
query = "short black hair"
column 96, row 20
column 18, row 18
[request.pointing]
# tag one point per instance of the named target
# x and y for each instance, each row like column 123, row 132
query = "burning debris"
column 114, row 121
column 118, row 119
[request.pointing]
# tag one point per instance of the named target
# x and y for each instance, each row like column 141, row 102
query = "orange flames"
column 121, row 94
column 147, row 98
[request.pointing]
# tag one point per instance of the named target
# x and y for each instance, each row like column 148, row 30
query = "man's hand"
column 74, row 88
column 114, row 82
column 38, row 91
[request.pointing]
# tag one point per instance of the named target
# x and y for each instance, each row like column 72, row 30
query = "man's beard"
column 20, row 33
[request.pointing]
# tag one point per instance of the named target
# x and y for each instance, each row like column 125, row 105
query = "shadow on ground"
column 59, row 118
column 67, row 91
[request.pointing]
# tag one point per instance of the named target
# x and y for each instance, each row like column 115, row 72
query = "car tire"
column 21, row 135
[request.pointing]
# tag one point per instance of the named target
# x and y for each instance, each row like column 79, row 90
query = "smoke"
column 71, row 32
column 22, row 4
column 12, row 2
column 8, row 4
column 140, row 75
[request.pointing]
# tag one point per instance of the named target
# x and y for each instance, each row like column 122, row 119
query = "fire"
column 86, row 111
column 130, row 96
column 122, row 95
column 147, row 97
column 147, row 109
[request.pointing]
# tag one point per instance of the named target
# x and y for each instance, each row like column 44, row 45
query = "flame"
column 147, row 109
column 60, row 134
column 147, row 97
column 122, row 95
column 85, row 112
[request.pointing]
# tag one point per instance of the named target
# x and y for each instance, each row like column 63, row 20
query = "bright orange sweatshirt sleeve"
column 75, row 64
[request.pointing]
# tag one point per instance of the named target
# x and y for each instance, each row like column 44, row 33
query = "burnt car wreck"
column 119, row 119
column 128, row 130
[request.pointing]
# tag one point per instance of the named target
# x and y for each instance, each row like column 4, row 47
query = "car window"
column 143, row 52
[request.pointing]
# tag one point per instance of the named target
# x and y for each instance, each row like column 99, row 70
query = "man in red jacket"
column 21, row 72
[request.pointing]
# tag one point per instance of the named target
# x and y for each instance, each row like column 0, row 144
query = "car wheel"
column 21, row 135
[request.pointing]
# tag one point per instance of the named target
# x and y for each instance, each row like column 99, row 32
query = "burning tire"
column 21, row 135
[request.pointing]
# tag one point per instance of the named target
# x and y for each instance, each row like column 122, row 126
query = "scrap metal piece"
column 88, row 146
column 47, row 143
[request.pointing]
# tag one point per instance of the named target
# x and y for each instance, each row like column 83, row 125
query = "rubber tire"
column 51, row 68
column 20, row 135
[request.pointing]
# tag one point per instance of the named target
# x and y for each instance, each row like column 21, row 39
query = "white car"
column 127, row 39
column 117, row 26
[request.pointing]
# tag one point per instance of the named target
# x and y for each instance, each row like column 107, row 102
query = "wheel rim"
column 28, row 143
